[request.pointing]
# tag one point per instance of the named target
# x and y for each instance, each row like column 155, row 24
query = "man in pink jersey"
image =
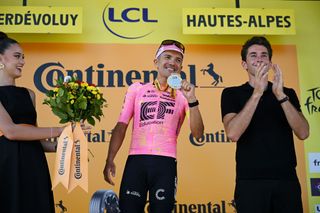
column 158, row 112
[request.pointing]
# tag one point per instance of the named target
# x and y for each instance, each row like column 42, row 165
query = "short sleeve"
column 128, row 104
column 294, row 99
column 228, row 104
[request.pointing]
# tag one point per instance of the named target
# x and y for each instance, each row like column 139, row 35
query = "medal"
column 174, row 81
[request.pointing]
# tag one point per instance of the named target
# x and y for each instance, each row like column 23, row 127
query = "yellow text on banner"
column 27, row 19
column 238, row 21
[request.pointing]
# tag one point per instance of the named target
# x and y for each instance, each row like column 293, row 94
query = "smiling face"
column 167, row 63
column 256, row 55
column 13, row 61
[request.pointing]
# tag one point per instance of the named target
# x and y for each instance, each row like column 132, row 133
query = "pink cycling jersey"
column 157, row 119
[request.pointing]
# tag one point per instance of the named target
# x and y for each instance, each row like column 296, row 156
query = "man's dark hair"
column 259, row 40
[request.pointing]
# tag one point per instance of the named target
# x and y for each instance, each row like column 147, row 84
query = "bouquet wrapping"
column 74, row 102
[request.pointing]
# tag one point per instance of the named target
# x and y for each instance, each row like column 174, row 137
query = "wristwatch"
column 283, row 100
column 193, row 104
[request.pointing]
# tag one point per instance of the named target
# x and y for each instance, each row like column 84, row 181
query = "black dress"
column 25, row 184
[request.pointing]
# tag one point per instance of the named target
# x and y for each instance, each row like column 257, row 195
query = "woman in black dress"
column 25, row 184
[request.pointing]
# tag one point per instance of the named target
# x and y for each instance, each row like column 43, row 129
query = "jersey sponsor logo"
column 133, row 193
column 147, row 110
column 150, row 94
column 163, row 109
column 160, row 194
column 155, row 109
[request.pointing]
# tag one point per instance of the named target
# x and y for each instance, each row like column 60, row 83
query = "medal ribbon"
column 158, row 86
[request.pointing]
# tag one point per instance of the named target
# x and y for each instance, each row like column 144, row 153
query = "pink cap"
column 168, row 47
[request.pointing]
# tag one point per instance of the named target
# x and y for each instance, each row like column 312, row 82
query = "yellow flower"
column 73, row 85
column 90, row 88
column 75, row 101
column 71, row 96
column 84, row 84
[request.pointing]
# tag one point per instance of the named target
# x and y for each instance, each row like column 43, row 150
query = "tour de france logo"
column 312, row 103
column 104, row 201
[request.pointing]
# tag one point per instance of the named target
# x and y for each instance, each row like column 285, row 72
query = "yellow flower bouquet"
column 74, row 101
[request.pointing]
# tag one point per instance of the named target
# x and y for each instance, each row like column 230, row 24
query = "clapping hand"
column 277, row 87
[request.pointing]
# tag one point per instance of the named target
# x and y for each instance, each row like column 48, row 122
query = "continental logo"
column 101, row 136
column 210, row 138
column 61, row 206
column 313, row 100
column 132, row 22
column 63, row 156
column 41, row 19
column 77, row 165
column 210, row 207
column 46, row 74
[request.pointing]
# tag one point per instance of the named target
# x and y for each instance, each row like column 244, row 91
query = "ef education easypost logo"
column 128, row 22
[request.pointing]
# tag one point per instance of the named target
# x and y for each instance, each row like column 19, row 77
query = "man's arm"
column 296, row 120
column 116, row 141
column 196, row 123
column 236, row 123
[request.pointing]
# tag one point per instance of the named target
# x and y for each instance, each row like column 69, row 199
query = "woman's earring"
column 1, row 66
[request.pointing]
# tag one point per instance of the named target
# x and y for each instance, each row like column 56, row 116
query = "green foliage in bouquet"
column 74, row 101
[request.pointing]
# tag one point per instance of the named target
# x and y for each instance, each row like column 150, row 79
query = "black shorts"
column 143, row 174
column 268, row 196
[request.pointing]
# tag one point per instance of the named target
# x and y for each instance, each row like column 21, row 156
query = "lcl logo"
column 115, row 18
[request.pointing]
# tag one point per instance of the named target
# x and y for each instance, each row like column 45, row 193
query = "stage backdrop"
column 113, row 53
